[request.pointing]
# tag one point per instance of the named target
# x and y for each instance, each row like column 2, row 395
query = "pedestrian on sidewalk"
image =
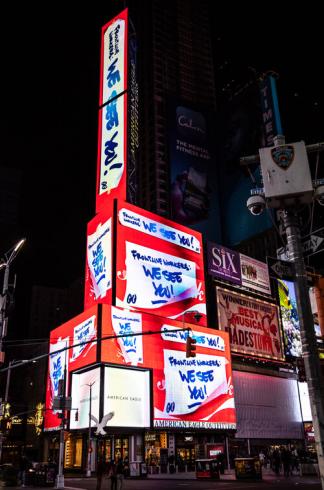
column 120, row 474
column 276, row 461
column 112, row 475
column 101, row 467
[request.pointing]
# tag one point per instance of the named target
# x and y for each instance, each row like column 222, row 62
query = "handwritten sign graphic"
column 152, row 227
column 99, row 259
column 187, row 392
column 164, row 278
column 84, row 332
column 112, row 130
column 127, row 323
column 160, row 266
column 190, row 383
column 57, row 364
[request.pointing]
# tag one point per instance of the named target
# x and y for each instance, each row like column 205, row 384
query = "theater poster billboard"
column 112, row 127
column 160, row 267
column 187, row 392
column 253, row 325
column 223, row 263
column 98, row 271
column 82, row 328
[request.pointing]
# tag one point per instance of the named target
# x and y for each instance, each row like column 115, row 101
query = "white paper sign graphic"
column 155, row 279
column 203, row 340
column 112, row 160
column 113, row 64
column 191, row 383
column 57, row 364
column 99, row 259
column 82, row 333
column 154, row 228
column 125, row 323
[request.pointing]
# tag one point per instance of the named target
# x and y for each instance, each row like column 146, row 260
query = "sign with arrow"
column 314, row 243
column 281, row 269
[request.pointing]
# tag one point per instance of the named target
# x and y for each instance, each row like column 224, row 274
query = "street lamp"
column 5, row 264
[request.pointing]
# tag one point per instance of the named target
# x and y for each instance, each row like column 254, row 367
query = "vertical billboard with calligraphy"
column 253, row 325
column 289, row 318
column 70, row 335
column 112, row 130
column 187, row 392
column 160, row 267
column 98, row 273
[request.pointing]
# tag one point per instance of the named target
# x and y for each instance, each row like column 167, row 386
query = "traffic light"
column 76, row 417
column 191, row 347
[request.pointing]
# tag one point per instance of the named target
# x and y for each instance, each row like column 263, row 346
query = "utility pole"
column 88, row 474
column 287, row 184
column 60, row 474
column 307, row 331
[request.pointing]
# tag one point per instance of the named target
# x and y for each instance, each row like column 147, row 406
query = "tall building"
column 174, row 60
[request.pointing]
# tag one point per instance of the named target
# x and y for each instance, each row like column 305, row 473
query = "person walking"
column 100, row 473
column 120, row 474
column 112, row 475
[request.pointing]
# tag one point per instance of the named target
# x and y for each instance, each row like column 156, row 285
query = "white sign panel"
column 126, row 323
column 112, row 141
column 81, row 398
column 83, row 332
column 99, row 259
column 255, row 274
column 156, row 278
column 127, row 394
column 305, row 402
column 189, row 384
column 159, row 230
column 113, row 74
column 57, row 364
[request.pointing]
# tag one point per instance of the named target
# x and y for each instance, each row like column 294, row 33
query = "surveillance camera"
column 319, row 195
column 256, row 204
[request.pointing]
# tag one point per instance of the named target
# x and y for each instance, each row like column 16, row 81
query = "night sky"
column 48, row 117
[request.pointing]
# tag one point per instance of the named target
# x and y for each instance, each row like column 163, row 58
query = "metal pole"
column 4, row 304
column 309, row 346
column 8, row 382
column 89, row 435
column 60, row 474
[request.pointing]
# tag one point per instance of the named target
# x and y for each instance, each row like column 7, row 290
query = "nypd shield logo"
column 283, row 156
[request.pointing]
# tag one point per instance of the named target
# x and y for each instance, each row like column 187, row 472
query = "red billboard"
column 98, row 273
column 187, row 392
column 112, row 128
column 160, row 266
column 72, row 333
column 253, row 325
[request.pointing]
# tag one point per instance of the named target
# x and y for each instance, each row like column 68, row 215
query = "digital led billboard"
column 98, row 274
column 81, row 328
column 127, row 395
column 160, row 265
column 80, row 392
column 112, row 128
column 187, row 392
column 289, row 318
column 253, row 325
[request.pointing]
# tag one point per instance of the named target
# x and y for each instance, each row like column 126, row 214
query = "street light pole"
column 308, row 337
column 88, row 474
column 8, row 258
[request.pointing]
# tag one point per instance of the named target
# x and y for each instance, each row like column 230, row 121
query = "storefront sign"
column 253, row 325
column 82, row 383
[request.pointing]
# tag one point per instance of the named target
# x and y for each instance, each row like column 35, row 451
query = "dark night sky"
column 48, row 117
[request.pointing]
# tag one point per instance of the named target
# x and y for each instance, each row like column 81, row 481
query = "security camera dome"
column 256, row 204
column 319, row 195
